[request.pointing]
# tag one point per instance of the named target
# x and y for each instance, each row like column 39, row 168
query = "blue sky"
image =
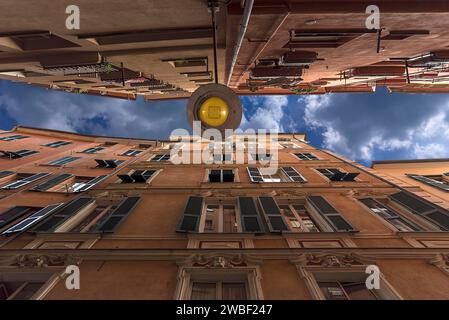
column 363, row 127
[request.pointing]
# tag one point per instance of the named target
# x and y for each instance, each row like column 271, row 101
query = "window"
column 58, row 219
column 306, row 156
column 23, row 179
column 438, row 181
column 52, row 183
column 218, row 290
column 346, row 291
column 221, row 175
column 17, row 154
column 137, row 176
column 222, row 157
column 284, row 174
column 187, row 62
column 329, row 214
column 298, row 218
column 14, row 137
column 107, row 217
column 15, row 213
column 321, row 38
column 57, row 144
column 69, row 183
column 261, row 157
column 32, row 219
column 427, row 210
column 93, row 150
column 22, row 286
column 334, row 174
column 160, row 157
column 220, row 218
column 345, row 283
column 389, row 215
column 6, row 173
column 111, row 163
column 289, row 145
column 132, row 153
column 62, row 161
column 403, row 34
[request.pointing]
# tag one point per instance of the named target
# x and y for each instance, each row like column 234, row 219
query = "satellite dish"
column 216, row 106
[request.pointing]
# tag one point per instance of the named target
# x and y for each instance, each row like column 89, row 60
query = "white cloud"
column 95, row 115
column 267, row 115
column 362, row 130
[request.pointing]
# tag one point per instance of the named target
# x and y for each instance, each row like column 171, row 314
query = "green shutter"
column 330, row 214
column 190, row 219
column 119, row 215
column 250, row 216
column 273, row 216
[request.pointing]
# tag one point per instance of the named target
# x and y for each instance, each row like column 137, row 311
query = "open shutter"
column 330, row 214
column 273, row 215
column 33, row 219
column 119, row 215
column 6, row 173
column 431, row 182
column 292, row 174
column 22, row 182
column 190, row 219
column 249, row 215
column 52, row 182
column 12, row 214
column 254, row 174
column 63, row 214
column 433, row 213
column 86, row 186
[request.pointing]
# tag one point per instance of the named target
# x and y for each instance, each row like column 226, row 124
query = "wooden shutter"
column 52, row 182
column 92, row 183
column 416, row 205
column 430, row 182
column 6, row 173
column 330, row 214
column 33, row 219
column 190, row 219
column 254, row 174
column 292, row 174
column 22, row 182
column 61, row 215
column 272, row 214
column 12, row 214
column 249, row 215
column 119, row 215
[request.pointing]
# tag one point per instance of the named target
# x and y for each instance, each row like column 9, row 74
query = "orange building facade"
column 140, row 227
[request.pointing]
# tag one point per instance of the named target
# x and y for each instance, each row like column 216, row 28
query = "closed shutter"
column 433, row 213
column 33, row 219
column 273, row 215
column 330, row 214
column 249, row 215
column 119, row 215
column 63, row 214
column 52, row 182
column 254, row 174
column 190, row 219
column 12, row 214
column 292, row 174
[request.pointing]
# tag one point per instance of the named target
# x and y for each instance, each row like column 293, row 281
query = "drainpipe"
column 243, row 25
